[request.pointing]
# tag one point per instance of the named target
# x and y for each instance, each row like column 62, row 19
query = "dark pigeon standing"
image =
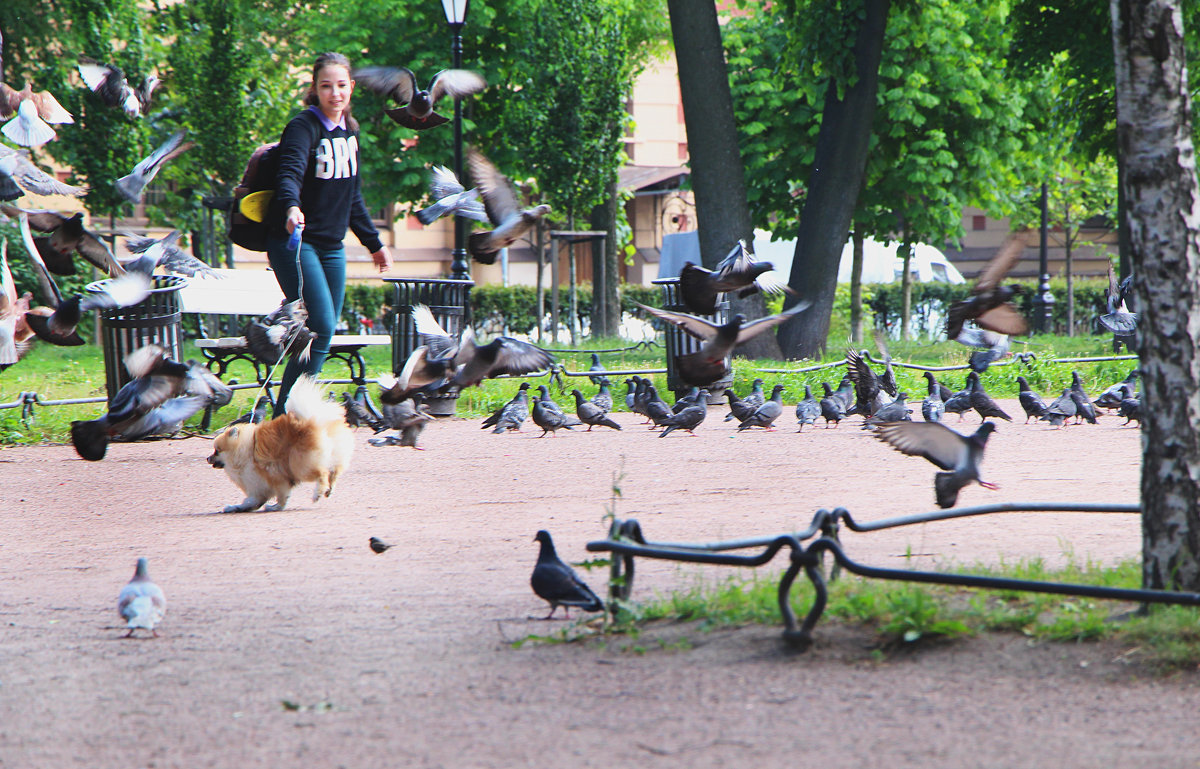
column 959, row 455
column 591, row 414
column 833, row 408
column 357, row 415
column 1031, row 402
column 960, row 402
column 1061, row 409
column 944, row 392
column 933, row 407
column 983, row 403
column 596, row 367
column 685, row 400
column 688, row 419
column 511, row 415
column 896, row 411
column 1083, row 402
column 631, row 385
column 1131, row 409
column 378, row 546
column 557, row 583
column 756, row 397
column 656, row 408
column 1111, row 398
column 765, row 415
column 845, row 391
column 807, row 410
column 549, row 416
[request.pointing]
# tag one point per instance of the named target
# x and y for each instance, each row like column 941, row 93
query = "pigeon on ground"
column 16, row 165
column 960, row 402
column 845, row 392
column 132, row 185
column 417, row 106
column 933, row 407
column 511, row 415
column 557, row 583
column 707, row 365
column 1119, row 320
column 603, row 397
column 357, row 415
column 943, row 391
column 279, row 333
column 738, row 408
column 688, row 419
column 765, row 415
column 1031, row 402
column 141, row 603
column 163, row 252
column 109, row 84
column 549, row 416
column 591, row 414
column 378, row 546
column 959, row 455
column 1061, row 409
column 1111, row 398
column 450, row 199
column 833, row 408
column 631, row 386
column 887, row 380
column 64, row 236
column 685, row 400
column 989, row 304
column 656, row 408
column 868, row 388
column 255, row 416
column 983, row 403
column 1083, row 402
column 895, row 411
column 34, row 111
column 738, row 271
column 405, row 415
column 1131, row 409
column 756, row 397
column 807, row 410
column 509, row 220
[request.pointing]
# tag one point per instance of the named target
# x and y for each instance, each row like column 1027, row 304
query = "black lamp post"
column 1043, row 303
column 456, row 17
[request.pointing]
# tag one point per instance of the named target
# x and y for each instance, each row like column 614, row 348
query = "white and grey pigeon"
column 30, row 127
column 109, row 84
column 141, row 603
column 16, row 166
column 557, row 583
column 132, row 185
column 958, row 455
column 807, row 410
column 1119, row 320
column 509, row 220
column 450, row 199
column 163, row 252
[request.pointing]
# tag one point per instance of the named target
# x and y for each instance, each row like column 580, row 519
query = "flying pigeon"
column 959, row 455
column 450, row 199
column 10, row 310
column 134, row 183
column 358, row 415
column 109, row 84
column 280, row 332
column 807, row 410
column 34, row 111
column 591, row 414
column 868, row 387
column 408, row 417
column 989, row 304
column 557, row 583
column 417, row 107
column 765, row 415
column 18, row 169
column 738, row 271
column 1119, row 320
column 378, row 546
column 509, row 220
column 707, row 365
column 511, row 415
column 65, row 236
column 163, row 252
column 141, row 603
column 687, row 419
column 463, row 362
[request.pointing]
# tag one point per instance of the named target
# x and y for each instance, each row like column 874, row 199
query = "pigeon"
column 405, row 415
column 738, row 408
column 154, row 402
column 10, row 310
column 591, row 414
column 58, row 328
column 357, row 415
column 960, row 402
column 989, row 304
column 1111, row 398
column 109, row 84
column 833, row 408
column 1030, row 401
column 959, row 455
column 738, row 271
column 807, row 410
column 991, row 348
column 141, row 603
column 868, row 389
column 164, row 253
column 549, row 416
column 1061, row 409
column 66, row 235
column 983, row 403
column 16, row 166
column 756, row 397
column 378, row 546
column 256, row 415
column 933, row 407
column 557, row 583
column 846, row 393
column 631, row 386
column 134, row 183
column 1083, row 402
column 1119, row 320
column 450, row 199
column 511, row 415
column 34, row 111
column 943, row 391
column 417, row 107
column 9, row 190
column 603, row 397
column 688, row 419
column 509, row 220
column 765, row 415
column 707, row 365
column 461, row 362
column 685, row 400
column 1131, row 409
column 656, row 408
column 280, row 332
column 887, row 380
column 596, row 367
column 895, row 411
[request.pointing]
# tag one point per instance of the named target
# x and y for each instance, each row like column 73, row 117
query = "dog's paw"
column 273, row 508
column 235, row 509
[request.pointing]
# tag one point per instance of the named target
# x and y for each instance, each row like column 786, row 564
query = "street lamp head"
column 456, row 11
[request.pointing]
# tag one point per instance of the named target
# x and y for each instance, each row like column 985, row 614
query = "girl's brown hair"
column 323, row 61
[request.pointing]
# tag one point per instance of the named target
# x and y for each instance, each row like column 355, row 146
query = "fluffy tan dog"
column 311, row 442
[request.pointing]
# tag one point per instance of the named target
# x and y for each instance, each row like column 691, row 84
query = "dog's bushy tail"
column 307, row 401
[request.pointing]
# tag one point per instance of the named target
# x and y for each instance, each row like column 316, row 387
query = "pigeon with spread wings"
column 64, row 236
column 958, row 455
column 132, row 185
column 16, row 166
column 509, row 220
column 989, row 304
column 34, row 113
column 450, row 198
column 739, row 271
column 417, row 108
column 707, row 364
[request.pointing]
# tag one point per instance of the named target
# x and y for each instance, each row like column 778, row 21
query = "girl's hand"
column 383, row 259
column 295, row 218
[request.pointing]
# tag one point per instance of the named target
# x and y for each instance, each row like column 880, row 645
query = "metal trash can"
column 679, row 342
column 154, row 320
column 449, row 301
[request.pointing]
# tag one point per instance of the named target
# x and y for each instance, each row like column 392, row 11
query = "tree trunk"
column 606, row 302
column 718, row 176
column 905, row 254
column 1154, row 131
column 856, row 308
column 833, row 186
column 541, row 278
column 1070, row 268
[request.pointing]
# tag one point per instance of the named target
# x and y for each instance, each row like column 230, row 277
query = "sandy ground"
column 289, row 643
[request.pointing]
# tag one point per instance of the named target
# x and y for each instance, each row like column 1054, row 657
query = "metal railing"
column 627, row 542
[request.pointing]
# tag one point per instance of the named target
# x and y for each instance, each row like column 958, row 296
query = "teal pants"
column 324, row 271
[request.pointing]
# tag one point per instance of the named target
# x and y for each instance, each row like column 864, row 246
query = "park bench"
column 256, row 293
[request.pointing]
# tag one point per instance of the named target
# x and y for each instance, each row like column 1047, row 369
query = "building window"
column 979, row 222
column 683, row 151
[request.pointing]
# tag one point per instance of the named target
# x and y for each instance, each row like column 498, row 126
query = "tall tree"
column 717, row 174
column 1154, row 131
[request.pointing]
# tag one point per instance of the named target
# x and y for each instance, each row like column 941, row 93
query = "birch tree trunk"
column 1154, row 131
column 905, row 254
column 856, row 268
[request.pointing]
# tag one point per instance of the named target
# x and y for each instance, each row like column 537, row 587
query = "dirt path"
column 289, row 643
